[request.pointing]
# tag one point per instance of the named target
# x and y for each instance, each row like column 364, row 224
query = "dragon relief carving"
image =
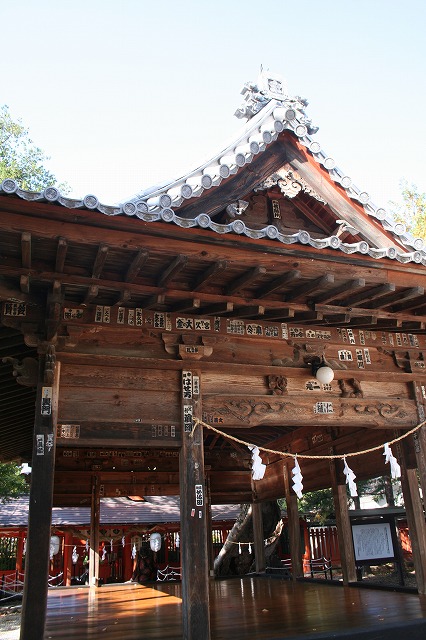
column 245, row 410
column 383, row 409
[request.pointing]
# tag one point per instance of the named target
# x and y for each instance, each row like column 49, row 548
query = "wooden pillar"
column 210, row 548
column 193, row 516
column 259, row 540
column 343, row 524
column 419, row 437
column 94, row 533
column 37, row 560
column 415, row 516
column 67, row 558
column 293, row 526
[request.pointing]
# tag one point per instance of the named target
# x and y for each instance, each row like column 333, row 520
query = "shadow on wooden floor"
column 258, row 608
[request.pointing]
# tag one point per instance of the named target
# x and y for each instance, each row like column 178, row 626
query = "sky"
column 126, row 94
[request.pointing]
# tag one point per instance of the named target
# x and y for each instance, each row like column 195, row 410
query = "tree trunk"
column 237, row 554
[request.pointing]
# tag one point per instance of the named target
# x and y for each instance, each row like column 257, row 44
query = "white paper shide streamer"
column 395, row 469
column 297, row 478
column 350, row 479
column 257, row 466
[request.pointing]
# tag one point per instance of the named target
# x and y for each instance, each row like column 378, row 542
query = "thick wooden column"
column 193, row 516
column 415, row 516
column 95, row 512
column 259, row 540
column 343, row 524
column 293, row 526
column 41, row 499
column 419, row 437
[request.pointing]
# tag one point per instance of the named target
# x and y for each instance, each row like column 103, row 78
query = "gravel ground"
column 10, row 622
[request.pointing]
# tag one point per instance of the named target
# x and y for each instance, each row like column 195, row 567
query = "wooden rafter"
column 277, row 283
column 338, row 292
column 136, row 265
column 308, row 287
column 172, row 270
column 100, row 260
column 61, row 255
column 369, row 295
column 205, row 276
column 245, row 279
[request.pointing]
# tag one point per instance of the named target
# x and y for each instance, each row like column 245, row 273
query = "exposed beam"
column 185, row 305
column 123, row 298
column 398, row 296
column 337, row 292
column 337, row 319
column 217, row 308
column 364, row 320
column 308, row 287
column 136, row 265
column 283, row 313
column 61, row 254
column 308, row 317
column 92, row 294
column 100, row 260
column 172, row 270
column 251, row 311
column 26, row 249
column 246, row 278
column 369, row 295
column 277, row 283
column 154, row 300
column 209, row 274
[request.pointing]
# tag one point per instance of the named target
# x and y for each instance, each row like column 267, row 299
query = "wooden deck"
column 257, row 608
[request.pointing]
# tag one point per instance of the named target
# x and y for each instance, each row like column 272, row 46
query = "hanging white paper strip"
column 297, row 478
column 394, row 466
column 257, row 467
column 350, row 479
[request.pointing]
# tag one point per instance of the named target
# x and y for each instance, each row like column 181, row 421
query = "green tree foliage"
column 12, row 483
column 318, row 503
column 20, row 159
column 412, row 210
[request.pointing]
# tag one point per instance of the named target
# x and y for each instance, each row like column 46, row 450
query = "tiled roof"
column 269, row 113
column 156, row 509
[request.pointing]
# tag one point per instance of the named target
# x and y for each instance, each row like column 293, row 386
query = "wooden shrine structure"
column 209, row 302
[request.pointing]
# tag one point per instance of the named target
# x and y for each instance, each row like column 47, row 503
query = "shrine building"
column 251, row 331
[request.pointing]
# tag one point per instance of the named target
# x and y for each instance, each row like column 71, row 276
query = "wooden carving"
column 25, row 372
column 352, row 391
column 277, row 385
column 383, row 409
column 246, row 410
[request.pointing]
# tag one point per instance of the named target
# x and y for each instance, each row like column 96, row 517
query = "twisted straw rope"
column 286, row 454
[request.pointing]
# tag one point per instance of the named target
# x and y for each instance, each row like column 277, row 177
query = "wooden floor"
column 255, row 608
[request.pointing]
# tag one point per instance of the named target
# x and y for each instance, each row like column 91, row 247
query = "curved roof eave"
column 158, row 203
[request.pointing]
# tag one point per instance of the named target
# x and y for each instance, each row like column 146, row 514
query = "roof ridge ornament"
column 271, row 86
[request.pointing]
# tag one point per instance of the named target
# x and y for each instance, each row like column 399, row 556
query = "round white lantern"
column 155, row 542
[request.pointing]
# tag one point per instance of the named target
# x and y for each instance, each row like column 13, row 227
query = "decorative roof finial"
column 269, row 86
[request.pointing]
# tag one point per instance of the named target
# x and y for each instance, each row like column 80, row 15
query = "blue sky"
column 123, row 95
